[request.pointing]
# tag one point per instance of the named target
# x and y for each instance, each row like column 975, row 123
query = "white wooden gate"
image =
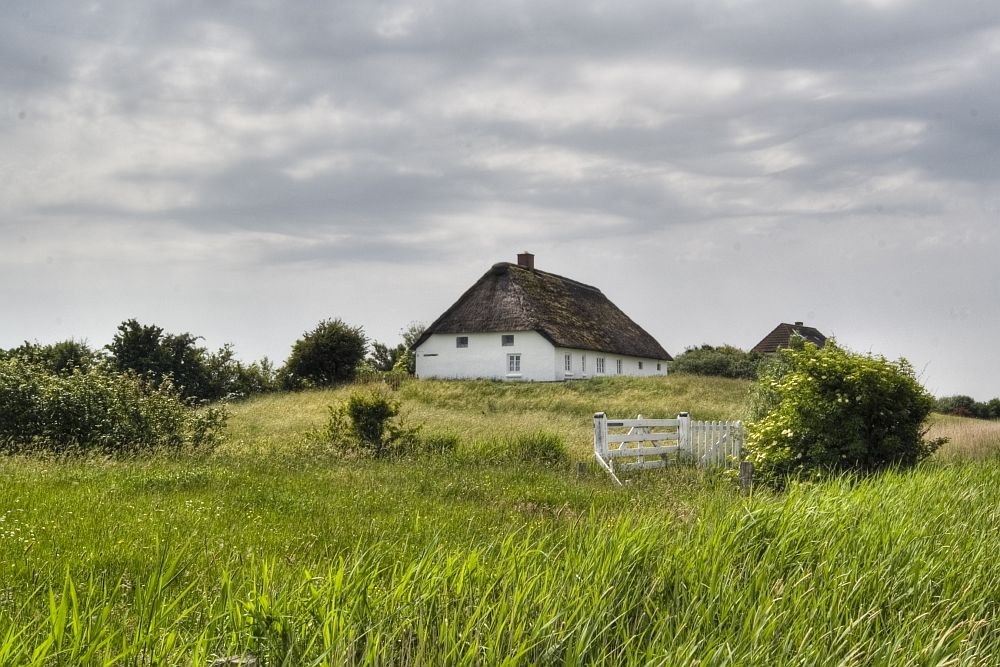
column 640, row 444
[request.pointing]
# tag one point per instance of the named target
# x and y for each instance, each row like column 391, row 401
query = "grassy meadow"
column 274, row 425
column 272, row 547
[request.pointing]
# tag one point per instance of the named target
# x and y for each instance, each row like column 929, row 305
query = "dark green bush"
column 367, row 424
column 829, row 410
column 62, row 357
column 384, row 358
column 232, row 379
column 194, row 371
column 327, row 355
column 96, row 409
column 966, row 406
column 370, row 414
column 724, row 361
column 155, row 355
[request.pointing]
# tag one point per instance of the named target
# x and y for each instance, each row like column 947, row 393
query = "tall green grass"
column 896, row 570
column 500, row 554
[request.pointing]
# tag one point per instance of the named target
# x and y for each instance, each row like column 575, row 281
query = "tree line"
column 732, row 362
column 332, row 352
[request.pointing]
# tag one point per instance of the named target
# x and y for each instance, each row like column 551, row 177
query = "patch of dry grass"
column 967, row 438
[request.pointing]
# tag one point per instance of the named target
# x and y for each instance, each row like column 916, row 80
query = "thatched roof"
column 782, row 335
column 569, row 314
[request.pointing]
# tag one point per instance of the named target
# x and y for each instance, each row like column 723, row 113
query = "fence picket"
column 706, row 443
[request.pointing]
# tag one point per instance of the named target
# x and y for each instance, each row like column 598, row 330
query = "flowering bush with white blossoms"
column 817, row 410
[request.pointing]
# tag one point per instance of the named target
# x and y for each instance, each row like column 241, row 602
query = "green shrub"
column 829, row 410
column 155, row 355
column 385, row 358
column 61, row 357
column 368, row 424
column 724, row 361
column 370, row 413
column 194, row 371
column 96, row 409
column 966, row 406
column 327, row 355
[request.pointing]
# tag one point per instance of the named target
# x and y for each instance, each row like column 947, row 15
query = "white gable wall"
column 486, row 357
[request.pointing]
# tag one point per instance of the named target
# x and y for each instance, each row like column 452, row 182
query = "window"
column 568, row 363
column 618, row 366
column 583, row 363
column 657, row 365
column 507, row 340
column 640, row 365
column 600, row 364
column 513, row 363
column 462, row 341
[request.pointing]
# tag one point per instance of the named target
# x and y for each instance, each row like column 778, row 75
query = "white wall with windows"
column 516, row 355
column 587, row 363
column 521, row 355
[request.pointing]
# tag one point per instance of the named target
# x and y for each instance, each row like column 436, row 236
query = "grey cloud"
column 361, row 133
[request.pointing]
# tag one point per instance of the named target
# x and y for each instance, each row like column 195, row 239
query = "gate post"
column 601, row 445
column 601, row 435
column 684, row 434
column 746, row 477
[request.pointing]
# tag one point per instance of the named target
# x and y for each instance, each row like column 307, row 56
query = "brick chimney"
column 526, row 259
column 798, row 324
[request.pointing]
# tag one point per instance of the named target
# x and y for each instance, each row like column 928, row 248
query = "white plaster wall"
column 485, row 357
column 630, row 365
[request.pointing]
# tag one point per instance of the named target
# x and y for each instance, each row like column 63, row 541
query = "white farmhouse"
column 519, row 323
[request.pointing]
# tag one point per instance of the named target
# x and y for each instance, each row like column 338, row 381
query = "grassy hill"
column 481, row 409
column 268, row 546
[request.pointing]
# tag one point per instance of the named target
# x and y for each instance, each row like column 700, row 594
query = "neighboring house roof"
column 782, row 335
column 512, row 297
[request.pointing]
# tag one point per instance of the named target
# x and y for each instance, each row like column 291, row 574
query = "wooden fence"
column 638, row 444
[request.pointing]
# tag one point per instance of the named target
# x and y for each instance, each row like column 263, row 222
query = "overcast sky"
column 242, row 170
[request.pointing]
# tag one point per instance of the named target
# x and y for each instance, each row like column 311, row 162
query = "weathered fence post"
column 684, row 435
column 601, row 434
column 601, row 445
column 738, row 440
column 746, row 477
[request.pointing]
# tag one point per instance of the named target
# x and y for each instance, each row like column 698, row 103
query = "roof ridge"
column 549, row 273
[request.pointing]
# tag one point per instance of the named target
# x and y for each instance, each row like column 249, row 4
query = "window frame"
column 507, row 340
column 514, row 363
column 600, row 366
column 461, row 342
